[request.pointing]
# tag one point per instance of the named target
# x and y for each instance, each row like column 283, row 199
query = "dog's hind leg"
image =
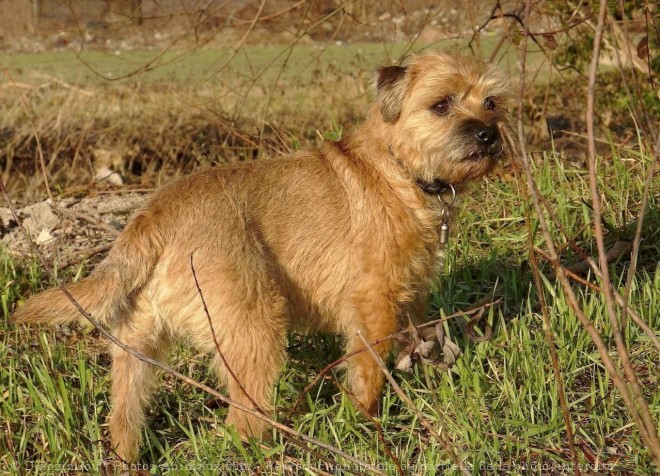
column 255, row 352
column 133, row 381
column 242, row 289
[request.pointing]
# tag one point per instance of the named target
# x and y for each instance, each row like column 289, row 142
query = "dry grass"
column 156, row 129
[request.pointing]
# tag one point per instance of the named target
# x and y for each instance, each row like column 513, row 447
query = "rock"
column 104, row 174
column 6, row 220
column 44, row 236
column 39, row 217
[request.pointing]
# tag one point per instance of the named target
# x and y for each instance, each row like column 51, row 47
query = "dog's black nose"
column 486, row 136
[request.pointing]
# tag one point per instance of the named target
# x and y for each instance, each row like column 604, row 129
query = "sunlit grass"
column 498, row 404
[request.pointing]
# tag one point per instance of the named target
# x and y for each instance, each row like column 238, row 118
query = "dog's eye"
column 442, row 107
column 489, row 103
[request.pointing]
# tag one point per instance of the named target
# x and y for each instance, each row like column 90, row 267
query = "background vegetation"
column 561, row 243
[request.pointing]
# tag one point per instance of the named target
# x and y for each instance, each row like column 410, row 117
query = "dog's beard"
column 459, row 162
column 494, row 152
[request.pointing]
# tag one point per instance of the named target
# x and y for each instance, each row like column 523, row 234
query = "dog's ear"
column 391, row 86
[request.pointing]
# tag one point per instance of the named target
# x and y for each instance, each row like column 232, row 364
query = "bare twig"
column 155, row 62
column 616, row 251
column 85, row 256
column 635, row 316
column 476, row 31
column 570, row 295
column 330, row 464
column 594, row 267
column 40, row 151
column 650, row 435
column 623, row 36
column 537, row 279
column 638, row 231
column 215, row 339
column 379, row 428
column 237, row 48
column 619, row 299
column 264, row 18
column 343, row 358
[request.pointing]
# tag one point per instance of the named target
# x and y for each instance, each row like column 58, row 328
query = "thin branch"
column 638, row 231
column 537, row 279
column 151, row 64
column 343, row 358
column 480, row 28
column 40, row 151
column 330, row 463
column 619, row 299
column 83, row 216
column 380, row 432
column 570, row 271
column 635, row 316
column 650, row 436
column 594, row 267
column 237, row 48
column 215, row 339
column 85, row 256
column 602, row 348
column 616, row 251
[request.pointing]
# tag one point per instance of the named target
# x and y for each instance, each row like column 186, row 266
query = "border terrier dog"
column 340, row 238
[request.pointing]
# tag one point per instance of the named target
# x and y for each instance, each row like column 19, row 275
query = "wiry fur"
column 336, row 239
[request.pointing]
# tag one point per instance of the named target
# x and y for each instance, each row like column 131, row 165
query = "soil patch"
column 70, row 232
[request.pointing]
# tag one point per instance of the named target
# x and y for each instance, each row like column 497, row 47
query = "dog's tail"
column 108, row 290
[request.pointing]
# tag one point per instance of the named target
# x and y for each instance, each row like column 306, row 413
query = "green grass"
column 499, row 404
column 195, row 66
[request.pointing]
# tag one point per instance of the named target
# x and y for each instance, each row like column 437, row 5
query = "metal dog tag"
column 444, row 233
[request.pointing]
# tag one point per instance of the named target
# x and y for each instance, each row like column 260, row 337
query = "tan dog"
column 342, row 238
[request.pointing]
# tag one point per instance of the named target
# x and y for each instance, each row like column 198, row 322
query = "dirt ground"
column 73, row 231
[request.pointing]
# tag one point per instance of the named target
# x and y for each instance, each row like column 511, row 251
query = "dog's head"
column 445, row 113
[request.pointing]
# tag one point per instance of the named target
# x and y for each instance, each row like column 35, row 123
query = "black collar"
column 436, row 187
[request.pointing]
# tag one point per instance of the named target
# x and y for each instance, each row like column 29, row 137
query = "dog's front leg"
column 376, row 319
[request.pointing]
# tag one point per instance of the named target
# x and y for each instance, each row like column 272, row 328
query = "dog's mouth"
column 495, row 152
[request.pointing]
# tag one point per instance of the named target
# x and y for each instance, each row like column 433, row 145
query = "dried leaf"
column 428, row 333
column 424, row 348
column 405, row 364
column 440, row 333
column 451, row 352
column 516, row 36
column 474, row 320
column 643, row 48
column 549, row 41
column 419, row 344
